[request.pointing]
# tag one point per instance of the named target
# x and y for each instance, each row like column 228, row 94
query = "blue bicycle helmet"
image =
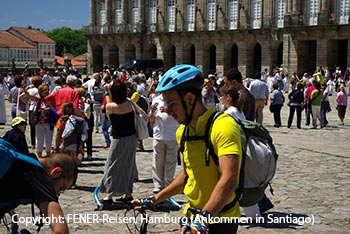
column 181, row 76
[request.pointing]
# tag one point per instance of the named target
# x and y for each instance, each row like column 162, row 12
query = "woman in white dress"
column 3, row 91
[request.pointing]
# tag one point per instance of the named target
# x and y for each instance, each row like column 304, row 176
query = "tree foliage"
column 68, row 40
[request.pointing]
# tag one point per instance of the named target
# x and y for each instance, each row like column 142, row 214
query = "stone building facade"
column 216, row 35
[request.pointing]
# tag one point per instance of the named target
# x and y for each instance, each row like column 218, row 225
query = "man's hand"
column 144, row 203
column 196, row 227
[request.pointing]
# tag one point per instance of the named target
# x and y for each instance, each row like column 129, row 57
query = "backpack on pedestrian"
column 8, row 155
column 75, row 133
column 259, row 160
column 98, row 94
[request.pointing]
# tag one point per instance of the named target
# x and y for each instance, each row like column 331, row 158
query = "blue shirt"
column 277, row 97
column 259, row 90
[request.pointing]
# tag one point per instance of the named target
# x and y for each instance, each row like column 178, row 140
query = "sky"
column 44, row 14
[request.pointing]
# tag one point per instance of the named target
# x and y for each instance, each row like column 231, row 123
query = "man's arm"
column 225, row 186
column 53, row 209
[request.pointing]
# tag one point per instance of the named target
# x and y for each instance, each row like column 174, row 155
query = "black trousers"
column 292, row 110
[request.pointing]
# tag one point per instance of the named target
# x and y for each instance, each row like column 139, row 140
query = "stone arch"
column 97, row 58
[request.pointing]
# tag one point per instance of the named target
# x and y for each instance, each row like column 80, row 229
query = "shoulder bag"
column 140, row 124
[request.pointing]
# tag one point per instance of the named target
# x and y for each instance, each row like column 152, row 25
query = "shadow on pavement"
column 90, row 171
column 84, row 188
column 145, row 181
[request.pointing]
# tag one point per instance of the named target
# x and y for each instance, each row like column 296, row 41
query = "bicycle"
column 168, row 205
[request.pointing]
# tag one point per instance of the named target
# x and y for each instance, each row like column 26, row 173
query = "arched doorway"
column 193, row 55
column 151, row 51
column 97, row 58
column 113, row 59
column 280, row 55
column 234, row 56
column 212, row 59
column 257, row 59
column 130, row 52
column 170, row 57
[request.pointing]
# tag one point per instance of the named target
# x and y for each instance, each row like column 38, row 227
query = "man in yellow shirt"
column 209, row 188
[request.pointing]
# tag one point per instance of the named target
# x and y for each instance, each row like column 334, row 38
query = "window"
column 233, row 14
column 153, row 12
column 313, row 12
column 171, row 15
column 135, row 14
column 344, row 9
column 118, row 12
column 191, row 15
column 256, row 14
column 211, row 14
column 281, row 11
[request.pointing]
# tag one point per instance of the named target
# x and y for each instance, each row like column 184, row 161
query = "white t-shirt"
column 235, row 113
column 165, row 126
column 33, row 92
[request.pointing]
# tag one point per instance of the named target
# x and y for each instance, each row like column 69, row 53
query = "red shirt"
column 67, row 94
column 308, row 92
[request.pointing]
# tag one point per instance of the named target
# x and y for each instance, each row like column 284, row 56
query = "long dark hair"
column 118, row 91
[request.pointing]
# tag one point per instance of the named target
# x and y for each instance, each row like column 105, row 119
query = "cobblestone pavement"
column 311, row 184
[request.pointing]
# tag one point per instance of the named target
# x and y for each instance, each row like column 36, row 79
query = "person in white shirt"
column 165, row 147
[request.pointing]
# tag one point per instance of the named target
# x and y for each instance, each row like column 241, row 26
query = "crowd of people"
column 55, row 107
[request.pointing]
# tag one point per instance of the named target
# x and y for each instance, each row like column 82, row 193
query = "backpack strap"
column 210, row 151
column 208, row 144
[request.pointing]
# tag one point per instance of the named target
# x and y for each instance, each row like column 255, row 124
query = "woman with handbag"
column 33, row 95
column 119, row 169
column 18, row 102
column 296, row 100
column 42, row 129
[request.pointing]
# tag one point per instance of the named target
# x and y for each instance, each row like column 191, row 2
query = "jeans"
column 325, row 107
column 105, row 127
column 98, row 114
column 308, row 113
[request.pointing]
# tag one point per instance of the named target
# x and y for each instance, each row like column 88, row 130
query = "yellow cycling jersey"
column 226, row 140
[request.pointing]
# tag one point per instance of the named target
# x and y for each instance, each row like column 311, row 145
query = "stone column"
column 242, row 58
column 324, row 5
column 323, row 15
column 93, row 12
column 295, row 7
column 220, row 51
column 108, row 11
column 321, row 52
column 290, row 63
column 289, row 6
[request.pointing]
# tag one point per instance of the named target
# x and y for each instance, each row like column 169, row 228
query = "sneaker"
column 89, row 156
column 156, row 190
column 106, row 146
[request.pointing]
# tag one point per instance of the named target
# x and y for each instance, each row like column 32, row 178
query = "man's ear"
column 56, row 173
column 190, row 97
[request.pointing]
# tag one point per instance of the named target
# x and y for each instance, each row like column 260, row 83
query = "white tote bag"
column 140, row 124
column 20, row 113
